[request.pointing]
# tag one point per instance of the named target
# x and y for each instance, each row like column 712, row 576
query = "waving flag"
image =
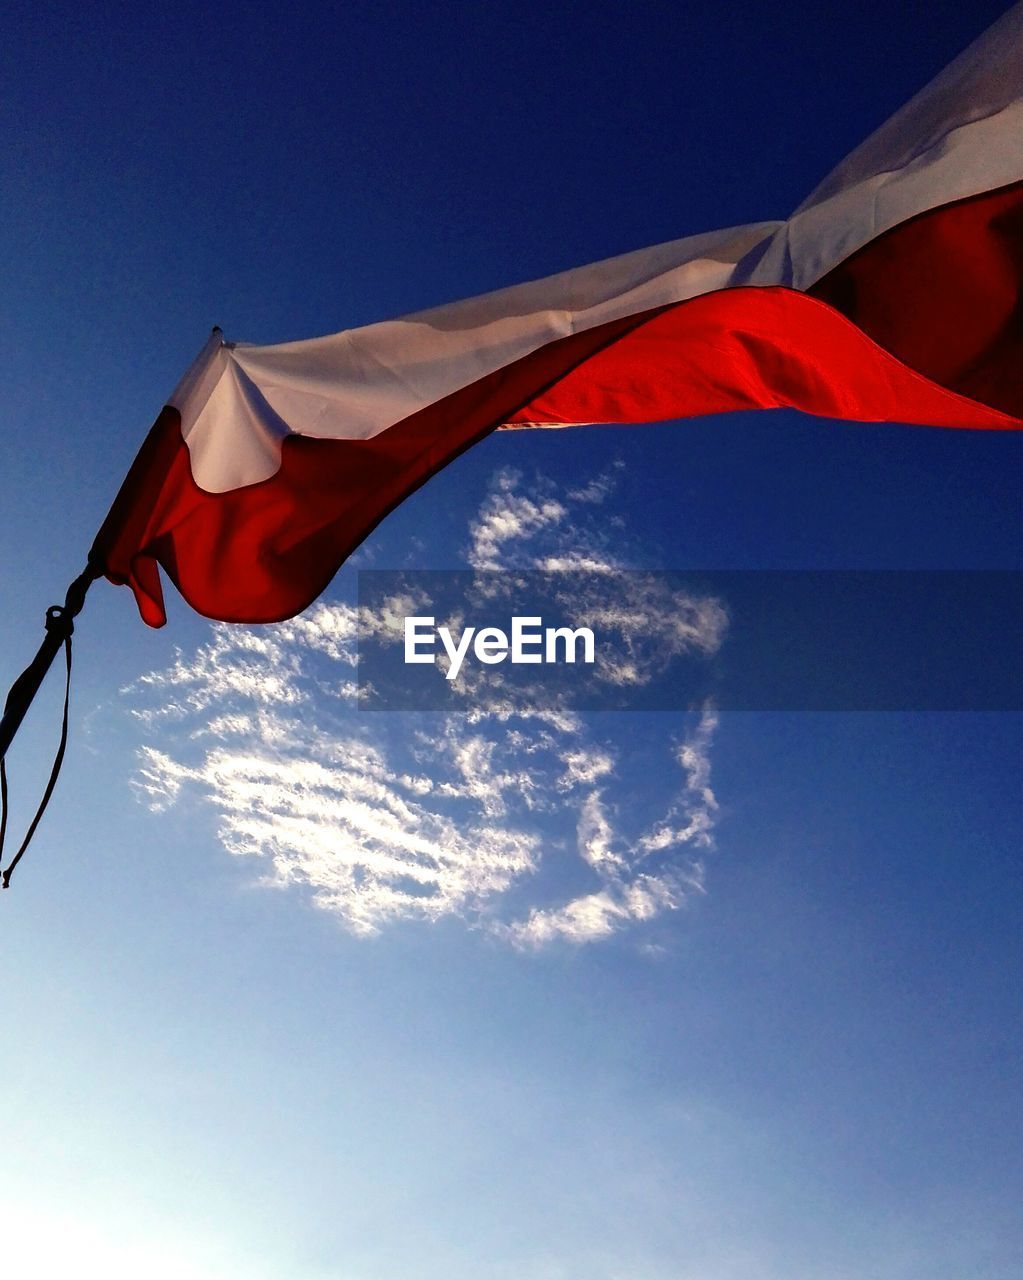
column 891, row 294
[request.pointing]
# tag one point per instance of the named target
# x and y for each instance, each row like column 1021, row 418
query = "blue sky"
column 800, row 1061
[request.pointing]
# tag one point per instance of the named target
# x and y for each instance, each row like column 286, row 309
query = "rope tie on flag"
column 60, row 627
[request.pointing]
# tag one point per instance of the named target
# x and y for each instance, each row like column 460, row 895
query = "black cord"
column 57, row 618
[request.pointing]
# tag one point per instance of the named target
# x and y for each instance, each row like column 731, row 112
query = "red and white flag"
column 891, row 294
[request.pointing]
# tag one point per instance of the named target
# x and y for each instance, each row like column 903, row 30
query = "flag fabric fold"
column 891, row 294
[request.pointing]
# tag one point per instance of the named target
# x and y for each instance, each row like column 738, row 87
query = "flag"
column 891, row 294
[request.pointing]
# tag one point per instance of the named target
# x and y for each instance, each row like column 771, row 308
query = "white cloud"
column 584, row 765
column 509, row 516
column 634, row 891
column 383, row 818
column 599, row 488
column 515, row 529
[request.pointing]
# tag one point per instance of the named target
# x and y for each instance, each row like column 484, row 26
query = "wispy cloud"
column 510, row 516
column 636, row 885
column 542, row 528
column 513, row 817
